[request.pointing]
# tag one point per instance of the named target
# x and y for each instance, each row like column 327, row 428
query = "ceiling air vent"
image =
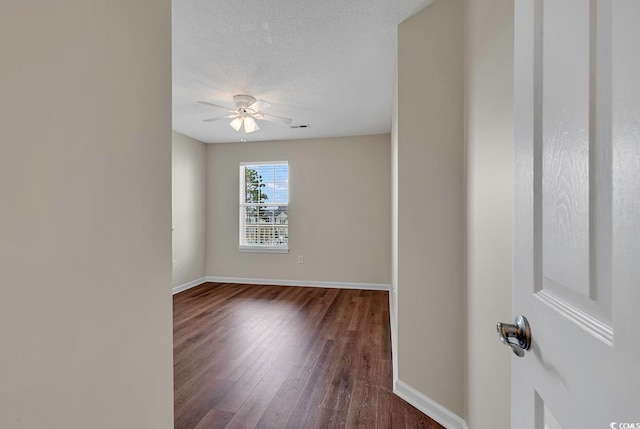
column 300, row 126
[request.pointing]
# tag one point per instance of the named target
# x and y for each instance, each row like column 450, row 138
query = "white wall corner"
column 437, row 412
column 189, row 285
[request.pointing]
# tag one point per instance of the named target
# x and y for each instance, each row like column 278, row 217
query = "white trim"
column 394, row 336
column 262, row 249
column 596, row 328
column 243, row 163
column 428, row 406
column 189, row 285
column 303, row 283
column 307, row 283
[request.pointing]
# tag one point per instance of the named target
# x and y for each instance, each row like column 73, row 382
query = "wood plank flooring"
column 277, row 357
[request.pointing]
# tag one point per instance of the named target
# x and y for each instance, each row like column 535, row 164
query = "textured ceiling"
column 326, row 63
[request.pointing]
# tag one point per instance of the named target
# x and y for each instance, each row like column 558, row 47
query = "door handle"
column 517, row 336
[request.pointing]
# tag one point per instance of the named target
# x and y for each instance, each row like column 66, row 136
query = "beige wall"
column 431, row 214
column 489, row 208
column 188, row 180
column 85, row 250
column 339, row 210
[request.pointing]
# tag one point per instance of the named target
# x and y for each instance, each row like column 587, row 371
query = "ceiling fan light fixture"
column 236, row 124
column 247, row 112
column 250, row 124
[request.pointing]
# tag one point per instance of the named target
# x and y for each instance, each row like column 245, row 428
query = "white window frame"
column 242, row 203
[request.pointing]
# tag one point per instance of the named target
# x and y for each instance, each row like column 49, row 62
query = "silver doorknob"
column 517, row 336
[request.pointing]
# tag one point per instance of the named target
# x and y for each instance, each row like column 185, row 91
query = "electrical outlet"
column 300, row 259
column 175, row 264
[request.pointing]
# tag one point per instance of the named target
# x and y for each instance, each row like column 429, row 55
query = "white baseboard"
column 394, row 336
column 307, row 283
column 189, row 285
column 428, row 406
column 276, row 282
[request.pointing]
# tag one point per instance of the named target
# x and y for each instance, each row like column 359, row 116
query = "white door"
column 577, row 227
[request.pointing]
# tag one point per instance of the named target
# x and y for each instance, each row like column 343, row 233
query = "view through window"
column 264, row 206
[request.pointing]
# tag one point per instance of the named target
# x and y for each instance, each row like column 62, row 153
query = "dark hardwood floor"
column 278, row 357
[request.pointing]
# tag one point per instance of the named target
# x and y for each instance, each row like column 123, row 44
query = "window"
column 264, row 207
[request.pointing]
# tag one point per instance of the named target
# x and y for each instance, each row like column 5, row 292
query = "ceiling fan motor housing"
column 243, row 101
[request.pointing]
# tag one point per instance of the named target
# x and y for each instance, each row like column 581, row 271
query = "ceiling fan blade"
column 236, row 124
column 219, row 117
column 216, row 105
column 272, row 118
column 250, row 125
column 259, row 105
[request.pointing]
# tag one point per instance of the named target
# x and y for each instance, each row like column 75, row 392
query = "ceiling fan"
column 247, row 110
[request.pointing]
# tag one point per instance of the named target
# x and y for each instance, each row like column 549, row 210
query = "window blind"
column 264, row 205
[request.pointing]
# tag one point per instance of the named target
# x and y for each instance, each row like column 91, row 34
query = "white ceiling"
column 326, row 63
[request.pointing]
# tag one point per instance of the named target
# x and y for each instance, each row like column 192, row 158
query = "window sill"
column 260, row 249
